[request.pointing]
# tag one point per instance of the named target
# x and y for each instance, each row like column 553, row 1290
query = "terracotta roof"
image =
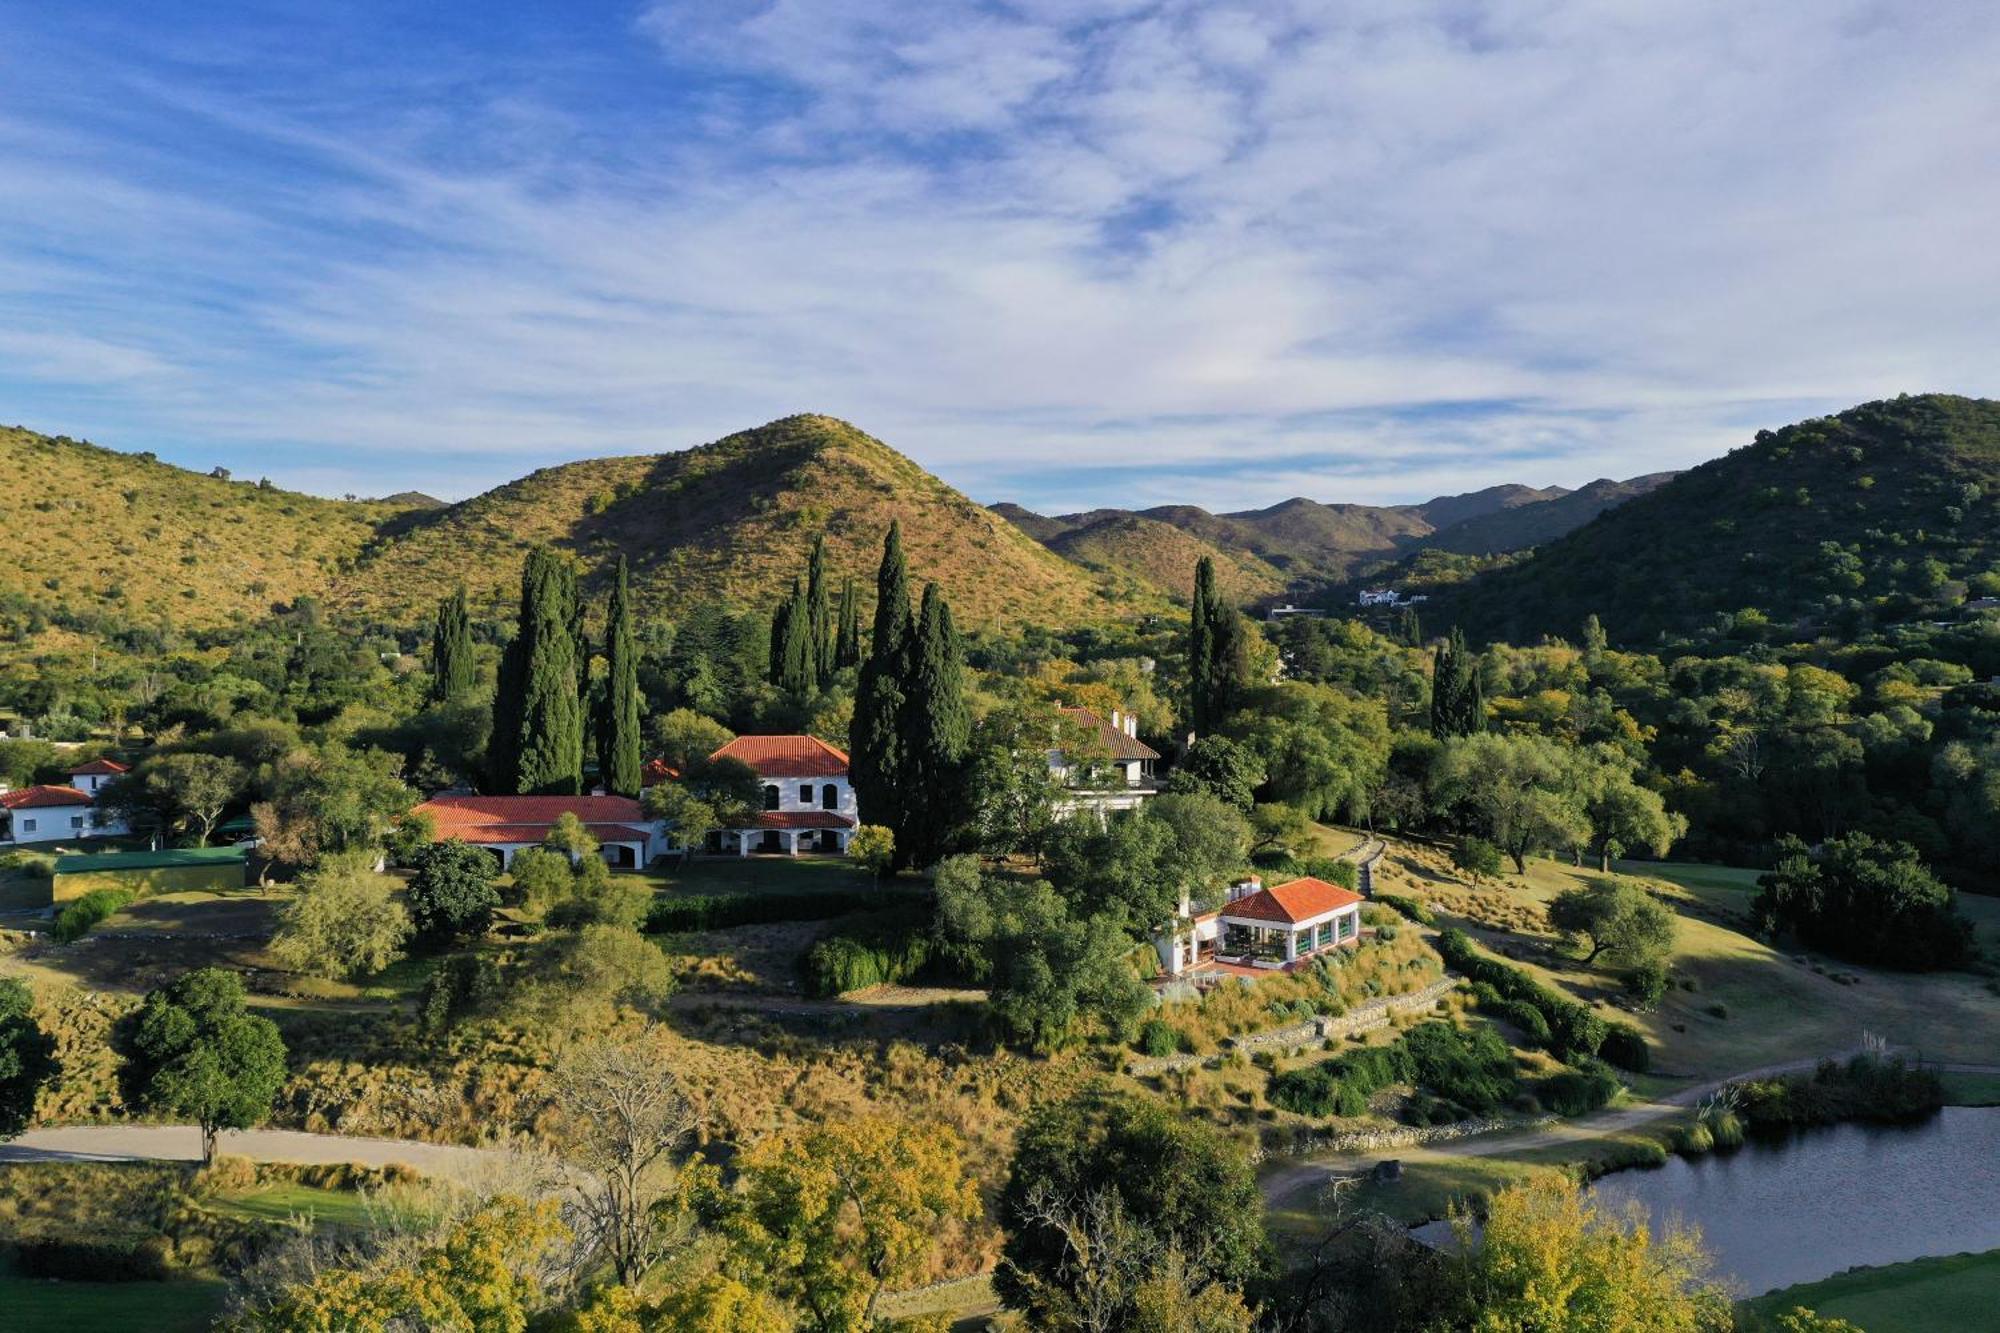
column 490, row 834
column 460, row 816
column 801, row 819
column 786, row 756
column 36, row 798
column 107, row 768
column 1115, row 742
column 1293, row 902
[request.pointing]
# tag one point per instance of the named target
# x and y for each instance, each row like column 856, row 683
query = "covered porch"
column 786, row 833
column 1278, row 945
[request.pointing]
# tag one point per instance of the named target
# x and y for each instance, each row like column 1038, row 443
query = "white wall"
column 788, row 794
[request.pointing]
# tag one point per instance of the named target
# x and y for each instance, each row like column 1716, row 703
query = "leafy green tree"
column 1323, row 749
column 618, row 750
column 1522, row 791
column 1118, row 866
column 875, row 742
column 1458, row 701
column 1618, row 919
column 344, row 921
column 690, row 818
column 1868, row 901
column 184, row 793
column 453, row 671
column 1218, row 663
column 794, row 659
column 875, row 848
column 451, row 894
column 683, row 738
column 1107, row 1193
column 1220, row 767
column 27, row 1057
column 197, row 1051
column 936, row 731
column 537, row 744
column 1211, row 842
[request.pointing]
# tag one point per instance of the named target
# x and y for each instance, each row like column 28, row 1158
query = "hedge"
column 1408, row 907
column 1574, row 1033
column 719, row 911
column 76, row 919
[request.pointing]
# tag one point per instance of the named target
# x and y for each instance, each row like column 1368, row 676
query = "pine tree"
column 819, row 612
column 1458, row 698
column 618, row 745
column 451, row 649
column 1201, row 644
column 847, row 642
column 936, row 731
column 540, row 714
column 875, row 735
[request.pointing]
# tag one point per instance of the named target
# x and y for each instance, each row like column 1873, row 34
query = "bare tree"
column 1106, row 1255
column 626, row 1117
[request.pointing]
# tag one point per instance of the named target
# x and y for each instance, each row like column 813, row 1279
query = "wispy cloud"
column 1071, row 253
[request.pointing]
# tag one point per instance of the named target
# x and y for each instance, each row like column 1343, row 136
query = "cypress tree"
column 819, row 612
column 618, row 757
column 792, row 650
column 847, row 642
column 1201, row 644
column 875, row 736
column 781, row 632
column 503, row 750
column 451, row 649
column 550, row 722
column 937, row 730
column 1458, row 697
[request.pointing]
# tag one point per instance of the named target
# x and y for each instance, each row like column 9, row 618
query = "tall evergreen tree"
column 781, row 632
column 847, row 640
column 936, row 732
column 538, row 713
column 819, row 612
column 792, row 649
column 451, row 649
column 618, row 744
column 875, row 741
column 1458, row 698
column 1201, row 644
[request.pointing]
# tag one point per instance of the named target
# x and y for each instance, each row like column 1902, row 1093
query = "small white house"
column 1262, row 930
column 50, row 814
column 92, row 778
column 809, row 803
column 1117, row 774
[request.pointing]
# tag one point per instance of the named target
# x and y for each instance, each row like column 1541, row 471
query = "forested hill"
column 1886, row 513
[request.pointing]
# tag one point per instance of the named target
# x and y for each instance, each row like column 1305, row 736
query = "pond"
column 1775, row 1213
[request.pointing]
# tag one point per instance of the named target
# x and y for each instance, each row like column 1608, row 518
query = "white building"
column 1113, row 769
column 92, row 778
column 1261, row 930
column 49, row 814
column 809, row 801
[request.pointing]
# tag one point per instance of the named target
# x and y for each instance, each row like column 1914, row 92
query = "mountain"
column 96, row 540
column 1301, row 545
column 730, row 521
column 1883, row 512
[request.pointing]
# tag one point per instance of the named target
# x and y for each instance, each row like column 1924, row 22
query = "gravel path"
column 182, row 1143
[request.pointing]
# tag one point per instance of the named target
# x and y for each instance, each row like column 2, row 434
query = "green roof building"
column 172, row 870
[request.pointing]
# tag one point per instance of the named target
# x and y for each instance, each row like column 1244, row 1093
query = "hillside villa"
column 808, row 798
column 1114, row 771
column 47, row 813
column 1259, row 930
column 505, row 825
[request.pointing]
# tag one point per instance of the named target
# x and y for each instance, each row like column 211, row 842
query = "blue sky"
column 1071, row 254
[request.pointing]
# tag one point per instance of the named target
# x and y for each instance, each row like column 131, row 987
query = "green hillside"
column 1160, row 558
column 1887, row 512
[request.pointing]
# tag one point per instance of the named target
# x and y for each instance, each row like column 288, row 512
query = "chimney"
column 1132, row 725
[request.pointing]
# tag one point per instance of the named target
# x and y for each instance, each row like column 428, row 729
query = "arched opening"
column 829, row 797
column 771, row 797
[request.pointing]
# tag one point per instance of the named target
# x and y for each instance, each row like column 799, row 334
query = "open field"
column 185, row 1306
column 1961, row 1291
column 760, row 874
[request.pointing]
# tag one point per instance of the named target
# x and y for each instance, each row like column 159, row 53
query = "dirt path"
column 182, row 1143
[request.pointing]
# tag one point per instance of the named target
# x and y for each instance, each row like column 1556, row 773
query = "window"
column 27, row 826
column 829, row 797
column 1324, row 935
column 805, row 793
column 76, row 821
column 771, row 796
column 1347, row 925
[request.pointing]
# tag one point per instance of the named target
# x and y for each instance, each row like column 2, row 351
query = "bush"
column 1479, row 856
column 1334, row 871
column 1574, row 1032
column 76, row 918
column 1695, row 1139
column 1525, row 1017
column 720, row 911
column 1626, row 1048
column 1457, row 1073
column 1579, row 1091
column 1866, row 1088
column 1647, row 983
column 1158, row 1039
column 886, row 948
column 1408, row 907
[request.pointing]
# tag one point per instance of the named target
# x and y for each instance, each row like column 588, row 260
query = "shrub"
column 1344, row 873
column 1647, row 983
column 1479, row 856
column 1408, row 907
column 885, row 948
column 1158, row 1039
column 76, row 918
column 1579, row 1091
column 1866, row 1088
column 1626, row 1048
column 1694, row 1140
column 1527, row 1018
column 1574, row 1032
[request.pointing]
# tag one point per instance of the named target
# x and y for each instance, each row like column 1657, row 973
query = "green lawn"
column 1694, row 875
column 281, row 1202
column 1972, row 1089
column 32, row 1305
column 1959, row 1292
column 761, row 874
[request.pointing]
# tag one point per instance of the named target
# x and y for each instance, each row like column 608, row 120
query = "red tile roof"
column 801, row 819
column 1291, row 903
column 786, row 756
column 36, row 798
column 1116, row 743
column 107, row 768
column 468, row 817
column 493, row 834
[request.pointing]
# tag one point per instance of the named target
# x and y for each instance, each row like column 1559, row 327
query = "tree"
column 27, row 1057
column 1211, row 842
column 452, row 668
column 587, row 974
column 185, row 793
column 1616, row 918
column 197, row 1051
column 330, row 800
column 537, row 744
column 344, row 922
column 794, row 658
column 689, row 817
column 1120, row 867
column 1323, row 748
column 683, row 738
column 625, row 1116
column 875, row 848
column 935, row 732
column 1218, row 665
column 835, row 1213
column 1219, row 767
column 819, row 613
column 1107, row 1193
column 1550, row 1260
column 1276, row 827
column 451, row 894
column 1458, row 702
column 618, row 756
column 875, row 740
column 1522, row 791
column 1868, row 901
column 847, row 637
column 1014, row 795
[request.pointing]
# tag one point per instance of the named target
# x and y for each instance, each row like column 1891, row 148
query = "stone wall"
column 1363, row 1017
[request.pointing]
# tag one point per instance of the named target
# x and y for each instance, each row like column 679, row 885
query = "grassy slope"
column 1160, row 558
column 732, row 521
column 1961, row 1291
column 111, row 1307
column 93, row 532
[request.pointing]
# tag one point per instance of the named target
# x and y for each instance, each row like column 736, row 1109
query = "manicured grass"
column 281, row 1202
column 1694, row 874
column 1961, row 1291
column 110, row 1307
column 761, row 874
column 1972, row 1089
